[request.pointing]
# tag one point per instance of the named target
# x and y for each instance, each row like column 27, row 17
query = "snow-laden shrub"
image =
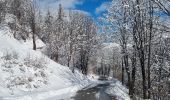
column 37, row 63
column 9, row 56
column 25, row 74
column 15, row 55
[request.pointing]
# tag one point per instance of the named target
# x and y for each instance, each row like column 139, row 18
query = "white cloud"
column 53, row 4
column 102, row 7
column 84, row 12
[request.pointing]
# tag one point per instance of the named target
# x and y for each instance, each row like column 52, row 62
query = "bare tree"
column 32, row 21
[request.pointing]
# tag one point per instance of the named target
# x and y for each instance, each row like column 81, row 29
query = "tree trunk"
column 33, row 32
column 56, row 57
column 123, row 72
column 132, row 88
column 34, row 41
column 149, row 51
column 70, row 55
column 142, row 63
column 127, row 71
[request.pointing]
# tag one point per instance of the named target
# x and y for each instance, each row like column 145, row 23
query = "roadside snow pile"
column 118, row 90
column 30, row 75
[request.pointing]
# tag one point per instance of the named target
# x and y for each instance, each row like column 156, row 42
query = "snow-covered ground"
column 118, row 90
column 30, row 75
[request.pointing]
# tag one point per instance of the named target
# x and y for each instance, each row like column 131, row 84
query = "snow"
column 21, row 81
column 118, row 90
column 9, row 18
column 111, row 45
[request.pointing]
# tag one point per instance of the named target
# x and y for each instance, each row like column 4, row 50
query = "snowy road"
column 94, row 93
column 106, row 90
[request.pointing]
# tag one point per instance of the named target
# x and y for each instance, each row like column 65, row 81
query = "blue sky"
column 92, row 7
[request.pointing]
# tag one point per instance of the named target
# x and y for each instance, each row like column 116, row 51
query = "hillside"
column 25, row 72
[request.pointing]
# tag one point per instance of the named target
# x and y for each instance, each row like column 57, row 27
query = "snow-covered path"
column 94, row 93
column 106, row 90
column 64, row 93
column 97, row 90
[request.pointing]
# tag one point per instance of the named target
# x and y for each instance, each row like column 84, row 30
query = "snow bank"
column 118, row 90
column 30, row 75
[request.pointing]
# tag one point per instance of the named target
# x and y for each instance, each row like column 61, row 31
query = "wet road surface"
column 94, row 93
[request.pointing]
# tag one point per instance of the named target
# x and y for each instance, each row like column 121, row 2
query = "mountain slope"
column 29, row 75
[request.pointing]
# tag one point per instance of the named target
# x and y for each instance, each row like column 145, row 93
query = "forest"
column 130, row 41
